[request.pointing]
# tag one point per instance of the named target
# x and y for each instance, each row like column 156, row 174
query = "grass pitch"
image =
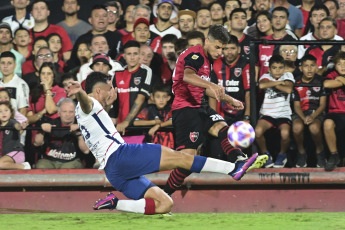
column 179, row 221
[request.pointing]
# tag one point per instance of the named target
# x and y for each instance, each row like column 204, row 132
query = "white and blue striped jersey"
column 99, row 132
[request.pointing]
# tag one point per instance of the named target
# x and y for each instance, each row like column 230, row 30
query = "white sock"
column 219, row 166
column 26, row 165
column 137, row 206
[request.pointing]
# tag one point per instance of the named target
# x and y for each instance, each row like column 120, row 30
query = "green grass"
column 198, row 221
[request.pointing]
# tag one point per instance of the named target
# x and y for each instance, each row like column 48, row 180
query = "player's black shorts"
column 192, row 124
column 339, row 120
column 275, row 122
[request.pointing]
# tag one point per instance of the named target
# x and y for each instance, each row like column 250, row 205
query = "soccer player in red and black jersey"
column 309, row 103
column 335, row 119
column 134, row 86
column 193, row 119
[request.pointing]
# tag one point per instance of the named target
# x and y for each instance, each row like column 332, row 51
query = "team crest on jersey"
column 238, row 72
column 137, row 80
column 7, row 132
column 316, row 89
column 194, row 57
column 246, row 49
column 193, row 136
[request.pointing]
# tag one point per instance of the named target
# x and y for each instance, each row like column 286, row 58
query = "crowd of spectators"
column 137, row 45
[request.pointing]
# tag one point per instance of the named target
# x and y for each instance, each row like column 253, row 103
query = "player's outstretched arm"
column 74, row 88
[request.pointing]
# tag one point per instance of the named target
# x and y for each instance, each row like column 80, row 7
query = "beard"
column 163, row 19
column 71, row 13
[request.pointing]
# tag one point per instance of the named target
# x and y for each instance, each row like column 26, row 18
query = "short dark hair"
column 195, row 35
column 38, row 39
column 334, row 22
column 94, row 78
column 97, row 7
column 237, row 10
column 214, row 3
column 280, row 8
column 161, row 88
column 276, row 59
column 66, row 76
column 6, row 91
column 19, row 29
column 181, row 44
column 8, row 54
column 307, row 57
column 131, row 43
column 219, row 33
column 318, row 7
column 233, row 40
column 44, row 1
column 202, row 8
column 63, row 1
column 339, row 56
column 169, row 38
column 334, row 1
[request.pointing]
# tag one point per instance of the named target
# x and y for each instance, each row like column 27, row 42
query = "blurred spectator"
column 17, row 87
column 146, row 55
column 203, row 20
column 62, row 148
column 113, row 14
column 237, row 23
column 157, row 115
column 180, row 45
column 169, row 57
column 29, row 65
column 45, row 98
column 232, row 72
column 333, row 7
column 40, row 12
column 186, row 21
column 305, row 9
column 263, row 24
column 134, row 86
column 44, row 54
column 259, row 5
column 129, row 19
column 230, row 5
column 55, row 45
column 141, row 11
column 217, row 13
column 72, row 24
column 99, row 44
column 164, row 10
column 6, row 45
column 278, row 87
column 295, row 17
column 83, row 55
column 65, row 80
column 324, row 53
column 341, row 10
column 11, row 150
column 279, row 20
column 99, row 23
column 289, row 53
column 317, row 13
column 153, row 60
column 194, row 38
column 21, row 17
column 22, row 42
column 334, row 123
column 309, row 101
column 247, row 6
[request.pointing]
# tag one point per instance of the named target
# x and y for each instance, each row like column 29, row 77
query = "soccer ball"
column 241, row 134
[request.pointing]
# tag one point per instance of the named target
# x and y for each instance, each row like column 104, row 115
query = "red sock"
column 229, row 150
column 150, row 207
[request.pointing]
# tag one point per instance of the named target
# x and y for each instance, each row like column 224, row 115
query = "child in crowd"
column 335, row 118
column 159, row 115
column 309, row 99
column 55, row 45
column 22, row 42
column 11, row 150
column 275, row 111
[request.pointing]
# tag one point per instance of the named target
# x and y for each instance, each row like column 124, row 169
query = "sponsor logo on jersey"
column 137, row 80
column 193, row 136
column 122, row 82
column 238, row 72
column 194, row 57
column 316, row 89
column 7, row 132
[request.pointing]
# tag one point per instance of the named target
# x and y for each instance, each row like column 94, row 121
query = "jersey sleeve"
column 194, row 61
column 145, row 87
column 23, row 95
column 332, row 75
column 143, row 115
column 295, row 95
column 214, row 78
